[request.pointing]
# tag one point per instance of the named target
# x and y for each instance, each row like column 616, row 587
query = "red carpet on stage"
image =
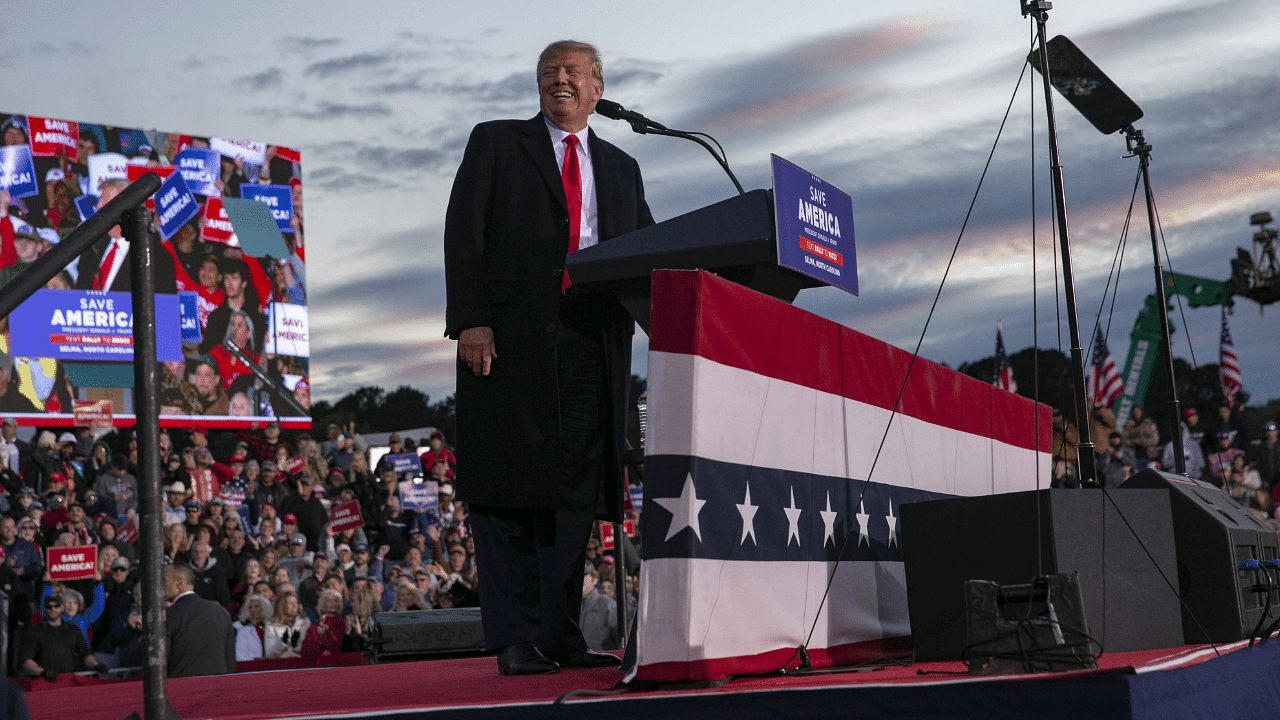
column 457, row 687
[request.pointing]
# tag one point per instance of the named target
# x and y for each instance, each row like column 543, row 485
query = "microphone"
column 614, row 111
column 645, row 126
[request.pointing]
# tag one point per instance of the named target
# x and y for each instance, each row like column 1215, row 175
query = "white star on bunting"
column 748, row 513
column 863, row 520
column 828, row 523
column 893, row 524
column 793, row 519
column 684, row 510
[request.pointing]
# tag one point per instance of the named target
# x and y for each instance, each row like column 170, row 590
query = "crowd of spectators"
column 1222, row 454
column 249, row 512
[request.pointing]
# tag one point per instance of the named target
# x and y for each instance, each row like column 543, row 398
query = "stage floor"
column 1161, row 683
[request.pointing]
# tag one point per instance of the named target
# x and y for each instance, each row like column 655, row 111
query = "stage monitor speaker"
column 1212, row 534
column 1000, row 538
column 415, row 632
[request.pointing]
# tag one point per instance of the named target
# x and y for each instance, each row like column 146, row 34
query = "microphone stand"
column 655, row 129
column 1138, row 146
column 1085, row 450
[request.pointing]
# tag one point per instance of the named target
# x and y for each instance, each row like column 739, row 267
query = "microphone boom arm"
column 644, row 129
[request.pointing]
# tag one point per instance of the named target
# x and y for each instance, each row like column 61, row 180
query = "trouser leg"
column 507, row 556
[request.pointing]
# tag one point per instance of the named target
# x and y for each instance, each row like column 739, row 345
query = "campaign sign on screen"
column 815, row 226
column 89, row 325
column 420, row 496
column 87, row 205
column 251, row 153
column 277, row 197
column 189, row 315
column 51, row 137
column 404, row 463
column 17, row 173
column 174, row 205
column 201, row 168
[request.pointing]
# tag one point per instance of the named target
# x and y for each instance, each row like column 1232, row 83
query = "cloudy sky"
column 898, row 104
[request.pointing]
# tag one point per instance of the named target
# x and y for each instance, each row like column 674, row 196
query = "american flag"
column 1229, row 365
column 1004, row 374
column 1104, row 384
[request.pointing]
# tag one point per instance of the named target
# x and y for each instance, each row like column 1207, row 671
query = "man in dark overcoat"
column 543, row 371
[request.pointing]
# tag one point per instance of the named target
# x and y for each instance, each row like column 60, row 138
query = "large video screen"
column 228, row 258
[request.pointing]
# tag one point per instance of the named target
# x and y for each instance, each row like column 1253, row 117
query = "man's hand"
column 475, row 347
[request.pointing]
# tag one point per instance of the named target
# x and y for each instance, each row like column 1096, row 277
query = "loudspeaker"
column 1212, row 534
column 1010, row 538
column 427, row 631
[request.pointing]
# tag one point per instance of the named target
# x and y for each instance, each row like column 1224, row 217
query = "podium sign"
column 815, row 226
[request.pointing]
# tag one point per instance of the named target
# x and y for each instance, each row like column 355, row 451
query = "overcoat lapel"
column 537, row 144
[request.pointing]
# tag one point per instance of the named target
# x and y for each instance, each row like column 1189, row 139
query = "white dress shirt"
column 589, row 233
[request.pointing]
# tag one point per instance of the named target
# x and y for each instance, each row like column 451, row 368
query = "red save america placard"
column 217, row 226
column 51, row 138
column 345, row 516
column 72, row 563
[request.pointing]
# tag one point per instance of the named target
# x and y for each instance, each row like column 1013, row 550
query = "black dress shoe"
column 587, row 659
column 524, row 659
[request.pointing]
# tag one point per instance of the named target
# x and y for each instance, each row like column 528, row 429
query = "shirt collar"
column 558, row 135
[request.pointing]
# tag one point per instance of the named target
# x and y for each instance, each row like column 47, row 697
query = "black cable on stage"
column 910, row 365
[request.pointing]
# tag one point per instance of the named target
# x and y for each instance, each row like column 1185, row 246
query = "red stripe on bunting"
column 741, row 328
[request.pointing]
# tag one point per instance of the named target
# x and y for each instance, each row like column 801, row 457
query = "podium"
column 734, row 239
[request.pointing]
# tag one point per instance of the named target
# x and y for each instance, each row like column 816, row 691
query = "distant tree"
column 374, row 410
column 1054, row 375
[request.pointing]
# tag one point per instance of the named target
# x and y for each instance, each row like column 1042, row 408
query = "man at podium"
column 543, row 367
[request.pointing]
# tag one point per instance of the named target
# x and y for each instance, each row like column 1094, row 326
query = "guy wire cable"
column 1155, row 207
column 911, row 364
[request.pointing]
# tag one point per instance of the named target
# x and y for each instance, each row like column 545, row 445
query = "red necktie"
column 571, row 176
column 105, row 268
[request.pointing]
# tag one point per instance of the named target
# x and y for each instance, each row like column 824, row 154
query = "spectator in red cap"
column 437, row 450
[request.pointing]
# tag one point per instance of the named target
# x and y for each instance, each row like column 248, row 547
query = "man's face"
column 76, row 514
column 1224, row 412
column 567, row 91
column 272, row 431
column 200, row 553
column 236, row 539
column 209, row 275
column 233, row 284
column 320, row 566
column 9, row 432
column 175, row 499
column 1115, row 442
column 296, row 549
column 28, row 249
column 84, row 148
column 1192, row 419
column 53, row 610
column 205, row 379
column 8, row 530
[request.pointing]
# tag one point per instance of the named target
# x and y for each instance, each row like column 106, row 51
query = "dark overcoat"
column 505, row 239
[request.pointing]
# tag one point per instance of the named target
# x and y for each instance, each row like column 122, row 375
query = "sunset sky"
column 897, row 104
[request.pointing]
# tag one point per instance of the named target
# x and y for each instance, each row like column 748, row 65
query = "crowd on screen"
column 234, row 291
column 1219, row 452
column 249, row 512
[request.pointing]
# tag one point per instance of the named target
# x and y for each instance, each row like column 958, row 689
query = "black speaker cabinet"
column 1213, row 533
column 1010, row 538
column 427, row 631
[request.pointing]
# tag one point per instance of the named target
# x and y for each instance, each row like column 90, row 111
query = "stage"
column 1186, row 682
